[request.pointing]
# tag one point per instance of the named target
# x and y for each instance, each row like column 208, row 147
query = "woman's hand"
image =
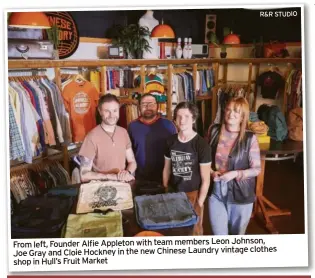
column 228, row 176
column 215, row 175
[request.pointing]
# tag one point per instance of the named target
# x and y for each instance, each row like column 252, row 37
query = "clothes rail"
column 76, row 69
column 27, row 70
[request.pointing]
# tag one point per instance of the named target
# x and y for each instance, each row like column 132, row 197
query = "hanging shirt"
column 16, row 106
column 16, row 146
column 95, row 78
column 28, row 125
column 60, row 110
column 81, row 101
column 48, row 128
column 270, row 83
column 53, row 111
column 40, row 125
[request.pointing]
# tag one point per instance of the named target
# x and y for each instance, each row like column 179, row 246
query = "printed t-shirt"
column 148, row 142
column 270, row 83
column 81, row 102
column 106, row 156
column 185, row 159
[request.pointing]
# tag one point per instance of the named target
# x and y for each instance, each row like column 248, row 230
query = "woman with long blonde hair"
column 235, row 165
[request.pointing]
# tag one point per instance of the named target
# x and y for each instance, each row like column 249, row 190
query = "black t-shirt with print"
column 186, row 158
column 270, row 83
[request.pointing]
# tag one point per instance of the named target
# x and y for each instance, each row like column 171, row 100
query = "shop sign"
column 68, row 35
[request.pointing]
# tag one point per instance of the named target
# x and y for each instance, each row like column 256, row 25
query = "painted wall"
column 249, row 24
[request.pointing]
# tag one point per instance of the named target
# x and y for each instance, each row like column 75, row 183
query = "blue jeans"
column 227, row 218
column 163, row 211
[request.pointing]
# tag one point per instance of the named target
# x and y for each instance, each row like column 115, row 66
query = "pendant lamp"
column 231, row 39
column 162, row 31
column 34, row 20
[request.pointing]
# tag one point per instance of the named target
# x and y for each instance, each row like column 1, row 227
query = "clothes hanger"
column 79, row 79
column 152, row 71
column 188, row 70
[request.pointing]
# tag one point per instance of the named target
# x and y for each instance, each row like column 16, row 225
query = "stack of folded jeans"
column 164, row 211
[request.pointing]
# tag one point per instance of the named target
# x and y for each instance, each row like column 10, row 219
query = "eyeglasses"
column 148, row 104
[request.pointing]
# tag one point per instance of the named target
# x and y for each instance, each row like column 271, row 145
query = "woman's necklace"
column 110, row 136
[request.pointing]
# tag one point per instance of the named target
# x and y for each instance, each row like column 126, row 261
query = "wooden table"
column 275, row 151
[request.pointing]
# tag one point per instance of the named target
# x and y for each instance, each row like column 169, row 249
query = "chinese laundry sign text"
column 68, row 35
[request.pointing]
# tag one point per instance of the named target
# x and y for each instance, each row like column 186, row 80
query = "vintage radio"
column 115, row 52
column 200, row 50
column 30, row 49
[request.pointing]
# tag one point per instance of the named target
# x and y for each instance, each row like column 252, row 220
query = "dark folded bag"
column 149, row 188
column 41, row 216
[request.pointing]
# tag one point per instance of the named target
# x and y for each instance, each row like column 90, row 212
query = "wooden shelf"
column 137, row 62
column 221, row 81
column 200, row 98
column 128, row 101
column 17, row 166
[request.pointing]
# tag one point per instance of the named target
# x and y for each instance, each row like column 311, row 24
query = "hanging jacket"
column 242, row 191
column 275, row 120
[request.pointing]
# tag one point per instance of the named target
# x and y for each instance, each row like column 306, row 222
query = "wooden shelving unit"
column 137, row 62
column 169, row 66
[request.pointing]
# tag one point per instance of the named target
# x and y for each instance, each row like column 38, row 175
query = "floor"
column 284, row 187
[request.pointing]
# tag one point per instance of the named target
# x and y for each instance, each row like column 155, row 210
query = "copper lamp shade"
column 34, row 20
column 231, row 39
column 163, row 31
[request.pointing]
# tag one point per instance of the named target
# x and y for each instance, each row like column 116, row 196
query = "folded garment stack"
column 94, row 225
column 164, row 211
column 259, row 128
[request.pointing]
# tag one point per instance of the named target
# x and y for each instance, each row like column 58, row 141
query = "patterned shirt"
column 16, row 144
column 226, row 142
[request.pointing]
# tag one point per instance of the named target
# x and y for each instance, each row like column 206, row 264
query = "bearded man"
column 148, row 135
column 106, row 153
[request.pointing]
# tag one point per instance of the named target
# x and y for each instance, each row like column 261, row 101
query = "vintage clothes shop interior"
column 61, row 62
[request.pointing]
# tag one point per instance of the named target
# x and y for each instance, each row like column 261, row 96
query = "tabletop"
column 284, row 147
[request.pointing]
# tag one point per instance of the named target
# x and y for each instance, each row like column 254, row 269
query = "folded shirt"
column 164, row 211
column 94, row 225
